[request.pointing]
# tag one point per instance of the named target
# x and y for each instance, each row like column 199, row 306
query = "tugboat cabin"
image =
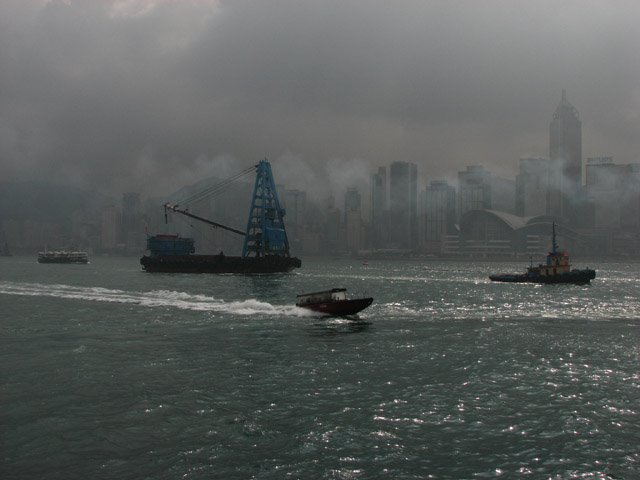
column 557, row 262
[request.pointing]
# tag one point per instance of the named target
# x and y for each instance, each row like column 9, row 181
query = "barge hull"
column 218, row 264
column 577, row 277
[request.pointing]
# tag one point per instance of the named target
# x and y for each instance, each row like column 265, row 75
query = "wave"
column 154, row 298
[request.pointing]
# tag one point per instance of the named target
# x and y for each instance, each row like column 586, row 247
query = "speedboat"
column 333, row 302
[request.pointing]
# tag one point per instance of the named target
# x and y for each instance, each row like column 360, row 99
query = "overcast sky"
column 149, row 95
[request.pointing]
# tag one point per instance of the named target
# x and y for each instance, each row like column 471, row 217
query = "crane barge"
column 265, row 248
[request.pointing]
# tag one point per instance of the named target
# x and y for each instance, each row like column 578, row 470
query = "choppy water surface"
column 109, row 372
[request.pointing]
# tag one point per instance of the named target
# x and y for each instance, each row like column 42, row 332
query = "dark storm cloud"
column 147, row 95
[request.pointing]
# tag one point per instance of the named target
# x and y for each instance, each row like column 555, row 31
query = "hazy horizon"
column 150, row 96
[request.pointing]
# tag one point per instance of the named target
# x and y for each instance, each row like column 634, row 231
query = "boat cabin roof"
column 333, row 290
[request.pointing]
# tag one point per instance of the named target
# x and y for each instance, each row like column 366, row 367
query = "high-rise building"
column 565, row 154
column 614, row 192
column 379, row 207
column 503, row 195
column 440, row 213
column 353, row 219
column 403, row 205
column 110, row 228
column 474, row 189
column 131, row 211
column 332, row 228
column 532, row 187
column 352, row 199
column 614, row 196
column 132, row 224
column 631, row 207
column 295, row 203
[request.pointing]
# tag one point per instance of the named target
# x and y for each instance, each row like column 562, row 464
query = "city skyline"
column 350, row 173
column 363, row 127
column 359, row 174
column 146, row 96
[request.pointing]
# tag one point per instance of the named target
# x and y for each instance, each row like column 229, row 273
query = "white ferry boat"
column 62, row 256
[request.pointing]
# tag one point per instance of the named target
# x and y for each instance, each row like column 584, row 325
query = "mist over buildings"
column 151, row 95
column 158, row 97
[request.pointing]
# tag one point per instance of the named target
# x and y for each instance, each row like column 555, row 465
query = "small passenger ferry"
column 49, row 256
column 333, row 302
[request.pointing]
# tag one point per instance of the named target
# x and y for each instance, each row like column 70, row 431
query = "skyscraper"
column 353, row 219
column 295, row 203
column 474, row 189
column 532, row 187
column 613, row 190
column 403, row 205
column 440, row 213
column 333, row 227
column 379, row 207
column 352, row 200
column 565, row 154
column 110, row 230
column 132, row 226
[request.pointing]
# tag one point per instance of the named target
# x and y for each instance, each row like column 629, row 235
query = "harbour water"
column 108, row 372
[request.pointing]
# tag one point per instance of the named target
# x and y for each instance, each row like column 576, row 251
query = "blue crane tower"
column 265, row 234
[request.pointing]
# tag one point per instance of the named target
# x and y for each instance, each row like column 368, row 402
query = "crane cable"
column 194, row 227
column 216, row 189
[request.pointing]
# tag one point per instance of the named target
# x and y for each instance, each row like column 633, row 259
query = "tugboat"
column 557, row 270
column 332, row 302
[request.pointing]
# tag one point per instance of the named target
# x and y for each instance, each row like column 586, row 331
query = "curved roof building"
column 491, row 231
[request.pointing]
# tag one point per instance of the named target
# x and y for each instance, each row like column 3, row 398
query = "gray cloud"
column 142, row 95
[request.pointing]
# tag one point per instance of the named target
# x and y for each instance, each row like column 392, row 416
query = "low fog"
column 149, row 96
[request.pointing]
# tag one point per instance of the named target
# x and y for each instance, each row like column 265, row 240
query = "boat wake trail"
column 155, row 298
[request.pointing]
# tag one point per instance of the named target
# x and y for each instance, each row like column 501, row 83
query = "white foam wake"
column 155, row 298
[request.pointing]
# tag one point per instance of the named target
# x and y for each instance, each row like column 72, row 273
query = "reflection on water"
column 223, row 377
column 269, row 287
column 338, row 326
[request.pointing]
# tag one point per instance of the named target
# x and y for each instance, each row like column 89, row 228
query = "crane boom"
column 174, row 208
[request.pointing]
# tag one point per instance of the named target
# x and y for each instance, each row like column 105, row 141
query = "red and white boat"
column 333, row 302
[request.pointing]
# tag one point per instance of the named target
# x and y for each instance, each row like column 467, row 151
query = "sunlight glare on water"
column 110, row 372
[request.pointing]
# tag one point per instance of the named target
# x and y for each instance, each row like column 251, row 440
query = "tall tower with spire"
column 565, row 153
